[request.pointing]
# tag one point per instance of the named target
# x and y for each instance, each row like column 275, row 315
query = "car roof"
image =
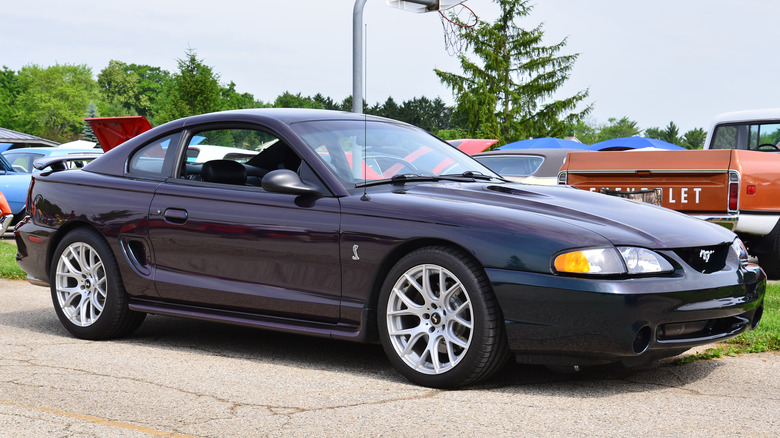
column 748, row 115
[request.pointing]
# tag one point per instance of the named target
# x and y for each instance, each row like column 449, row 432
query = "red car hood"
column 472, row 146
column 113, row 131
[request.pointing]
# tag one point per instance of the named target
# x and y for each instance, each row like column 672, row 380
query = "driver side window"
column 239, row 157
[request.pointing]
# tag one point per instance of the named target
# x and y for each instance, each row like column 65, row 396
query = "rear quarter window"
column 150, row 161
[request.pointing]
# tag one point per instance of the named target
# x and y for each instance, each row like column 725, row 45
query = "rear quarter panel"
column 116, row 207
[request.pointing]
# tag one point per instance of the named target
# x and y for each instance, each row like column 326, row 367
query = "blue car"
column 16, row 169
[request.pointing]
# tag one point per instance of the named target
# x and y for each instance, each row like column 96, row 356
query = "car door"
column 222, row 242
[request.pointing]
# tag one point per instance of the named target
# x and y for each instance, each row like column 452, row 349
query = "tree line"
column 504, row 94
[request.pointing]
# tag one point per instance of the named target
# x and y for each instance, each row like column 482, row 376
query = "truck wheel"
column 86, row 288
column 770, row 260
column 439, row 322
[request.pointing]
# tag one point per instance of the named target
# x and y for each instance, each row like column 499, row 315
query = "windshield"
column 359, row 151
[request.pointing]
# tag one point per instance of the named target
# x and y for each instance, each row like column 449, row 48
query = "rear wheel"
column 770, row 260
column 86, row 288
column 439, row 321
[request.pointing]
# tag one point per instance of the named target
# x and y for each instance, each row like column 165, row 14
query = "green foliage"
column 289, row 100
column 193, row 90
column 764, row 338
column 614, row 128
column 670, row 134
column 86, row 130
column 9, row 269
column 653, row 133
column 431, row 115
column 9, row 92
column 584, row 132
column 694, row 139
column 507, row 96
column 451, row 134
column 618, row 129
column 53, row 100
column 119, row 85
column 231, row 99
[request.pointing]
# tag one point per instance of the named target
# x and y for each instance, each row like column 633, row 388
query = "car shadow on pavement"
column 180, row 335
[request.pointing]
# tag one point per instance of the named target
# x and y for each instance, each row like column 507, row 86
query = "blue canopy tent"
column 623, row 143
column 543, row 143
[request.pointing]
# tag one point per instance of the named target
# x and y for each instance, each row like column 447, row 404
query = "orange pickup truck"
column 734, row 182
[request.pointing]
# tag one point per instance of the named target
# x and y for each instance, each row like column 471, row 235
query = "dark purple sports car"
column 367, row 229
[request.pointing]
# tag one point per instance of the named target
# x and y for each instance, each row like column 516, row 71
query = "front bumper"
column 557, row 320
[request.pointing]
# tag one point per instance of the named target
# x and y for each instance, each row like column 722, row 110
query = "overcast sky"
column 654, row 62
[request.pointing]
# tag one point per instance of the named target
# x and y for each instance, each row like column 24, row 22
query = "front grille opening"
column 701, row 329
column 705, row 259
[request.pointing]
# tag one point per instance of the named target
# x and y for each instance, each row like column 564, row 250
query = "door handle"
column 175, row 215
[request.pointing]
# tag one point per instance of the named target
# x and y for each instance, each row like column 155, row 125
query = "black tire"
column 87, row 290
column 770, row 260
column 465, row 329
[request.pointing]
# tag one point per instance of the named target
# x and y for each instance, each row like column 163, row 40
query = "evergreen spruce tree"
column 86, row 131
column 507, row 95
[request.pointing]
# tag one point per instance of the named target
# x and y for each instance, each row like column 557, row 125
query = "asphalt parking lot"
column 179, row 377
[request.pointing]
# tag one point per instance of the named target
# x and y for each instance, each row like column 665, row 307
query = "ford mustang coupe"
column 367, row 229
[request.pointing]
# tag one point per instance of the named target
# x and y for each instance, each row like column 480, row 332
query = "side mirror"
column 287, row 181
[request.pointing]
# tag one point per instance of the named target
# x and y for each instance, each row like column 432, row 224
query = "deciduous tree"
column 53, row 100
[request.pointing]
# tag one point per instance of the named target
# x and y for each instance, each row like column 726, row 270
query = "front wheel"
column 439, row 322
column 86, row 288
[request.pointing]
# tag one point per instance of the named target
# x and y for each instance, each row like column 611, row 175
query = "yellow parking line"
column 91, row 419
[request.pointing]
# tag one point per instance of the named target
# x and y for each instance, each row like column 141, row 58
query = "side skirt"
column 287, row 325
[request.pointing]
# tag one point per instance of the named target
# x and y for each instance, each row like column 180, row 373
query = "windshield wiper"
column 403, row 178
column 399, row 179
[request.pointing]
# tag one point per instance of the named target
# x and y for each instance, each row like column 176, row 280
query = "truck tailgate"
column 691, row 181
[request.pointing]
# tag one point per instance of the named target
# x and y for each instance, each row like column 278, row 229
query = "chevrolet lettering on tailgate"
column 682, row 195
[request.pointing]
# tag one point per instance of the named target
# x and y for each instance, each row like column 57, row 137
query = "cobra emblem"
column 354, row 253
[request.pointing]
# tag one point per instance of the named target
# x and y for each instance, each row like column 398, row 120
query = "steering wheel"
column 767, row 147
column 399, row 166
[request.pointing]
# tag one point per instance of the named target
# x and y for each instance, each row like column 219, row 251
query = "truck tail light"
column 733, row 191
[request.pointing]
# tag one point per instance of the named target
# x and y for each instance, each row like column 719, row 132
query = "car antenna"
column 365, row 196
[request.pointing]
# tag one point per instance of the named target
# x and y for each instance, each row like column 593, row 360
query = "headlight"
column 739, row 249
column 602, row 261
column 612, row 261
column 644, row 261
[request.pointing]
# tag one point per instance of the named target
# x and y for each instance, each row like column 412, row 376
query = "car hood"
column 621, row 221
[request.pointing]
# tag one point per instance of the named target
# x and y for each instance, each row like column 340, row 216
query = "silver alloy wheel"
column 81, row 284
column 430, row 319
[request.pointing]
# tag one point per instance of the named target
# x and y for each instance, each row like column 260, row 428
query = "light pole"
column 357, row 48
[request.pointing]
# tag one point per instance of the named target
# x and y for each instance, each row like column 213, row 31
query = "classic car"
column 22, row 159
column 16, row 165
column 366, row 229
column 14, row 186
column 530, row 166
